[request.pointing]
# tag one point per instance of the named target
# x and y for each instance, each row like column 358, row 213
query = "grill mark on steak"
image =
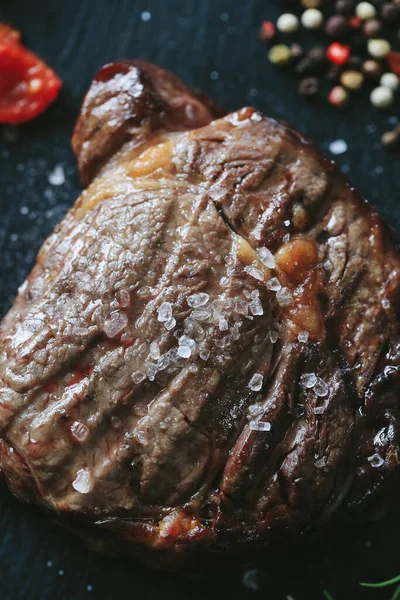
column 168, row 213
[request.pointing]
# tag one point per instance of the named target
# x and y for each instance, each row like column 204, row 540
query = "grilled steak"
column 206, row 353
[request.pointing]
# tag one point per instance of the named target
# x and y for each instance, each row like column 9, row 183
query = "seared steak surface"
column 207, row 350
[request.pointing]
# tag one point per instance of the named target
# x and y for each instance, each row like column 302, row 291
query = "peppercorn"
column 308, row 86
column 372, row 69
column 378, row 48
column 381, row 97
column 317, row 55
column 305, row 66
column 337, row 26
column 344, row 7
column 365, row 10
column 352, row 80
column 287, row 23
column 311, row 3
column 354, row 62
column 338, row 54
column 296, row 52
column 333, row 73
column 267, row 32
column 390, row 80
column 355, row 22
column 391, row 138
column 279, row 54
column 312, row 18
column 372, row 28
column 390, row 13
column 338, row 96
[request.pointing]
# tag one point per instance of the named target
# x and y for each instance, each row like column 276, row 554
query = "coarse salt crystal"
column 309, row 380
column 225, row 281
column 223, row 324
column 286, row 237
column 81, row 482
column 57, row 176
column 255, row 409
column 253, row 272
column 164, row 312
column 145, row 16
column 170, row 324
column 184, row 351
column 338, row 147
column 256, row 307
column 385, row 303
column 204, row 354
column 266, row 257
column 273, row 336
column 163, row 362
column 154, row 350
column 184, row 340
column 255, row 294
column 376, row 460
column 321, row 388
column 303, row 336
column 274, row 284
column 197, row 300
column 116, row 422
column 319, row 410
column 241, row 307
column 115, row 324
column 255, row 383
column 79, row 430
column 123, row 298
column 320, row 463
column 286, row 223
column 202, row 314
column 284, row 297
column 260, row 426
column 151, row 371
column 138, row 377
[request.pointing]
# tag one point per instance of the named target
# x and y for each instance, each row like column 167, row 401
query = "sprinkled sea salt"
column 274, row 284
column 303, row 336
column 138, row 377
column 266, row 257
column 250, row 580
column 154, row 350
column 320, row 463
column 255, row 409
column 273, row 336
column 256, row 307
column 286, row 237
column 255, row 383
column 89, row 588
column 57, row 176
column 197, row 300
column 204, row 354
column 49, row 563
column 81, row 482
column 163, row 362
column 284, row 297
column 338, row 147
column 385, row 303
column 223, row 324
column 309, row 380
column 286, row 223
column 184, row 340
column 321, row 388
column 260, row 426
column 115, row 324
column 79, row 430
column 164, row 312
column 225, row 281
column 61, row 572
column 319, row 410
column 170, row 324
column 184, row 351
column 253, row 272
column 376, row 460
column 255, row 294
column 241, row 307
column 145, row 16
column 202, row 314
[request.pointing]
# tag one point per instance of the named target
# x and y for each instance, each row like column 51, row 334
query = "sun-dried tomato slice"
column 27, row 85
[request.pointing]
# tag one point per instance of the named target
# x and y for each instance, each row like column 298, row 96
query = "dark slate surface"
column 211, row 44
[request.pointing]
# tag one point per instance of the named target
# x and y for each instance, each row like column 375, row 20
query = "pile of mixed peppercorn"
column 354, row 49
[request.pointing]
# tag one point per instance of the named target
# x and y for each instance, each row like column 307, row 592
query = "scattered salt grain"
column 255, row 383
column 116, row 422
column 320, row 463
column 223, row 324
column 81, row 482
column 145, row 16
column 255, row 409
column 151, row 371
column 24, row 210
column 225, row 282
column 204, row 354
column 284, row 297
column 303, row 336
column 163, row 362
column 338, row 147
column 241, row 307
column 266, row 257
column 273, row 336
column 321, row 388
column 89, row 588
column 197, row 300
column 256, row 307
column 184, row 351
column 184, row 340
column 61, row 572
column 385, row 303
column 255, row 294
column 260, row 426
column 274, row 284
column 376, row 460
column 164, row 312
column 154, row 350
column 49, row 563
column 319, row 410
column 79, row 430
column 286, row 237
column 138, row 377
column 57, row 176
column 309, row 380
column 123, row 298
column 286, row 223
column 253, row 272
column 115, row 324
column 170, row 324
column 202, row 314
column 250, row 580
column 327, row 265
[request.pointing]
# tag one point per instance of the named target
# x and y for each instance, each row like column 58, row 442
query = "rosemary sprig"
column 382, row 584
column 327, row 595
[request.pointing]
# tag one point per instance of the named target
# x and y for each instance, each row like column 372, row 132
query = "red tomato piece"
column 27, row 85
column 338, row 53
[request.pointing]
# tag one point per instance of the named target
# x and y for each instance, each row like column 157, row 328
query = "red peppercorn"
column 267, row 32
column 338, row 53
column 355, row 22
column 338, row 96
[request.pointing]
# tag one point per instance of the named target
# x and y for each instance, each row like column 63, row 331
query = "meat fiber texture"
column 206, row 354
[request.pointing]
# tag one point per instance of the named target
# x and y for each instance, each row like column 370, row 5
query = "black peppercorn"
column 372, row 69
column 318, row 56
column 333, row 73
column 337, row 26
column 308, row 87
column 372, row 28
column 296, row 52
column 390, row 13
column 354, row 62
column 345, row 7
